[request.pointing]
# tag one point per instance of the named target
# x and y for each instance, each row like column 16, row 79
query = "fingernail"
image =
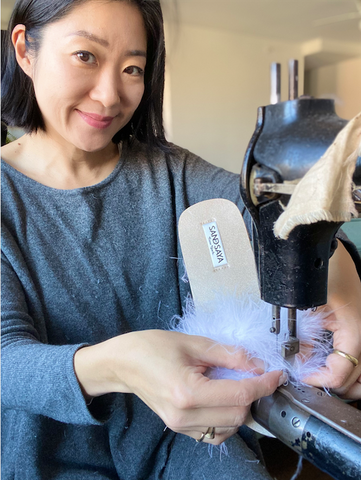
column 283, row 379
column 259, row 364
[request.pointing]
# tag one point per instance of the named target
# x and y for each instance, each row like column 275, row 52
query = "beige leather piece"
column 218, row 257
column 238, row 274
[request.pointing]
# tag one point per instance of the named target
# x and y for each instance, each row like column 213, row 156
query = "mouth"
column 95, row 120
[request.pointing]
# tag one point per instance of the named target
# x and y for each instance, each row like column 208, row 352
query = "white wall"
column 217, row 80
column 341, row 81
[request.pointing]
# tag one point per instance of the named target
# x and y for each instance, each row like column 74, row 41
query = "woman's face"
column 89, row 73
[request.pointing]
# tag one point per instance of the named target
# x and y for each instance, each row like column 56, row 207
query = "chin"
column 89, row 149
column 93, row 146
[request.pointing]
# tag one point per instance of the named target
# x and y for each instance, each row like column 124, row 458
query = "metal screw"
column 296, row 422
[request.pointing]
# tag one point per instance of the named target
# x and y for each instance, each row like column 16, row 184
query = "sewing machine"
column 289, row 138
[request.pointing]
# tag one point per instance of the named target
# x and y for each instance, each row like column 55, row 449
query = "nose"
column 106, row 89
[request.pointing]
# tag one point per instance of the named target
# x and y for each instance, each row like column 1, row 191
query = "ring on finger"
column 201, row 438
column 210, row 433
column 349, row 357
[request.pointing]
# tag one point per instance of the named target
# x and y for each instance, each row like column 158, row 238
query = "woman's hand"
column 344, row 301
column 166, row 370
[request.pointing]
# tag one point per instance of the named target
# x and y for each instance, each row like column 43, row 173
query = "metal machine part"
column 292, row 80
column 289, row 138
column 291, row 346
column 316, row 425
column 288, row 189
column 275, row 83
column 276, row 320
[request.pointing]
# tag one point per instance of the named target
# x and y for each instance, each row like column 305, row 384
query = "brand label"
column 215, row 244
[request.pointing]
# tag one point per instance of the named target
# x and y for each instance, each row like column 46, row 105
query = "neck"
column 63, row 167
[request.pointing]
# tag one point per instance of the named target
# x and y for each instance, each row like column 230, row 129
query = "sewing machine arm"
column 321, row 428
column 289, row 138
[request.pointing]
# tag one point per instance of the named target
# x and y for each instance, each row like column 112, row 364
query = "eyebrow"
column 104, row 43
column 90, row 36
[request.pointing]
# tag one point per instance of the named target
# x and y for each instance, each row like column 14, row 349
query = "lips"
column 95, row 120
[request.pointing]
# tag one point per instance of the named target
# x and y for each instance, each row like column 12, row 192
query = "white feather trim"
column 244, row 322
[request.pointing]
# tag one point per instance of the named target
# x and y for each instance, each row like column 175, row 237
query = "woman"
column 91, row 198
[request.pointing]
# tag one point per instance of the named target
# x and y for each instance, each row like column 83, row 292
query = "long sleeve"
column 37, row 377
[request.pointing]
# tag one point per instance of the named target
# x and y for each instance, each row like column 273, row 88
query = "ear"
column 23, row 58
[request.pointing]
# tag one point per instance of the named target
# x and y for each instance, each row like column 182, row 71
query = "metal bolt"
column 296, row 422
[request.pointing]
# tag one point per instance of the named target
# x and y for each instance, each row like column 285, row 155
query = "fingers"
column 347, row 384
column 174, row 386
column 348, row 389
column 220, row 435
column 227, row 420
column 339, row 374
column 219, row 403
column 354, row 392
column 213, row 354
column 221, row 418
column 233, row 393
column 344, row 303
column 223, row 404
column 346, row 328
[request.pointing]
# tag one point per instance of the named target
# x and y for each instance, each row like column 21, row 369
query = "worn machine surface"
column 289, row 138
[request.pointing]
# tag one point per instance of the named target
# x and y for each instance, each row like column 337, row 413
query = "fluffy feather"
column 244, row 322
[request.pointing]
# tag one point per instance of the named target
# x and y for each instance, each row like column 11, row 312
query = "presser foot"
column 290, row 348
column 291, row 345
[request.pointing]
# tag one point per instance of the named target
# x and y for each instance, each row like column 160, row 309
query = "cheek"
column 137, row 95
column 61, row 86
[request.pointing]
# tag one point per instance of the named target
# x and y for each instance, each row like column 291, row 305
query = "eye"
column 86, row 57
column 133, row 70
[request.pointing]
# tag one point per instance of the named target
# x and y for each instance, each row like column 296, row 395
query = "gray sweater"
column 78, row 267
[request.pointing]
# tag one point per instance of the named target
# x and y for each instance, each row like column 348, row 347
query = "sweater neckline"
column 24, row 178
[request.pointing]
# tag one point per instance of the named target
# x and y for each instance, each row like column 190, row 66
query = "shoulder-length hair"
column 19, row 104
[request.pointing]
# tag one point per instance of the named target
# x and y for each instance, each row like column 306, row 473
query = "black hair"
column 19, row 106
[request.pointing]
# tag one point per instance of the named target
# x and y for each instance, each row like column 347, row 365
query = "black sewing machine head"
column 289, row 138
